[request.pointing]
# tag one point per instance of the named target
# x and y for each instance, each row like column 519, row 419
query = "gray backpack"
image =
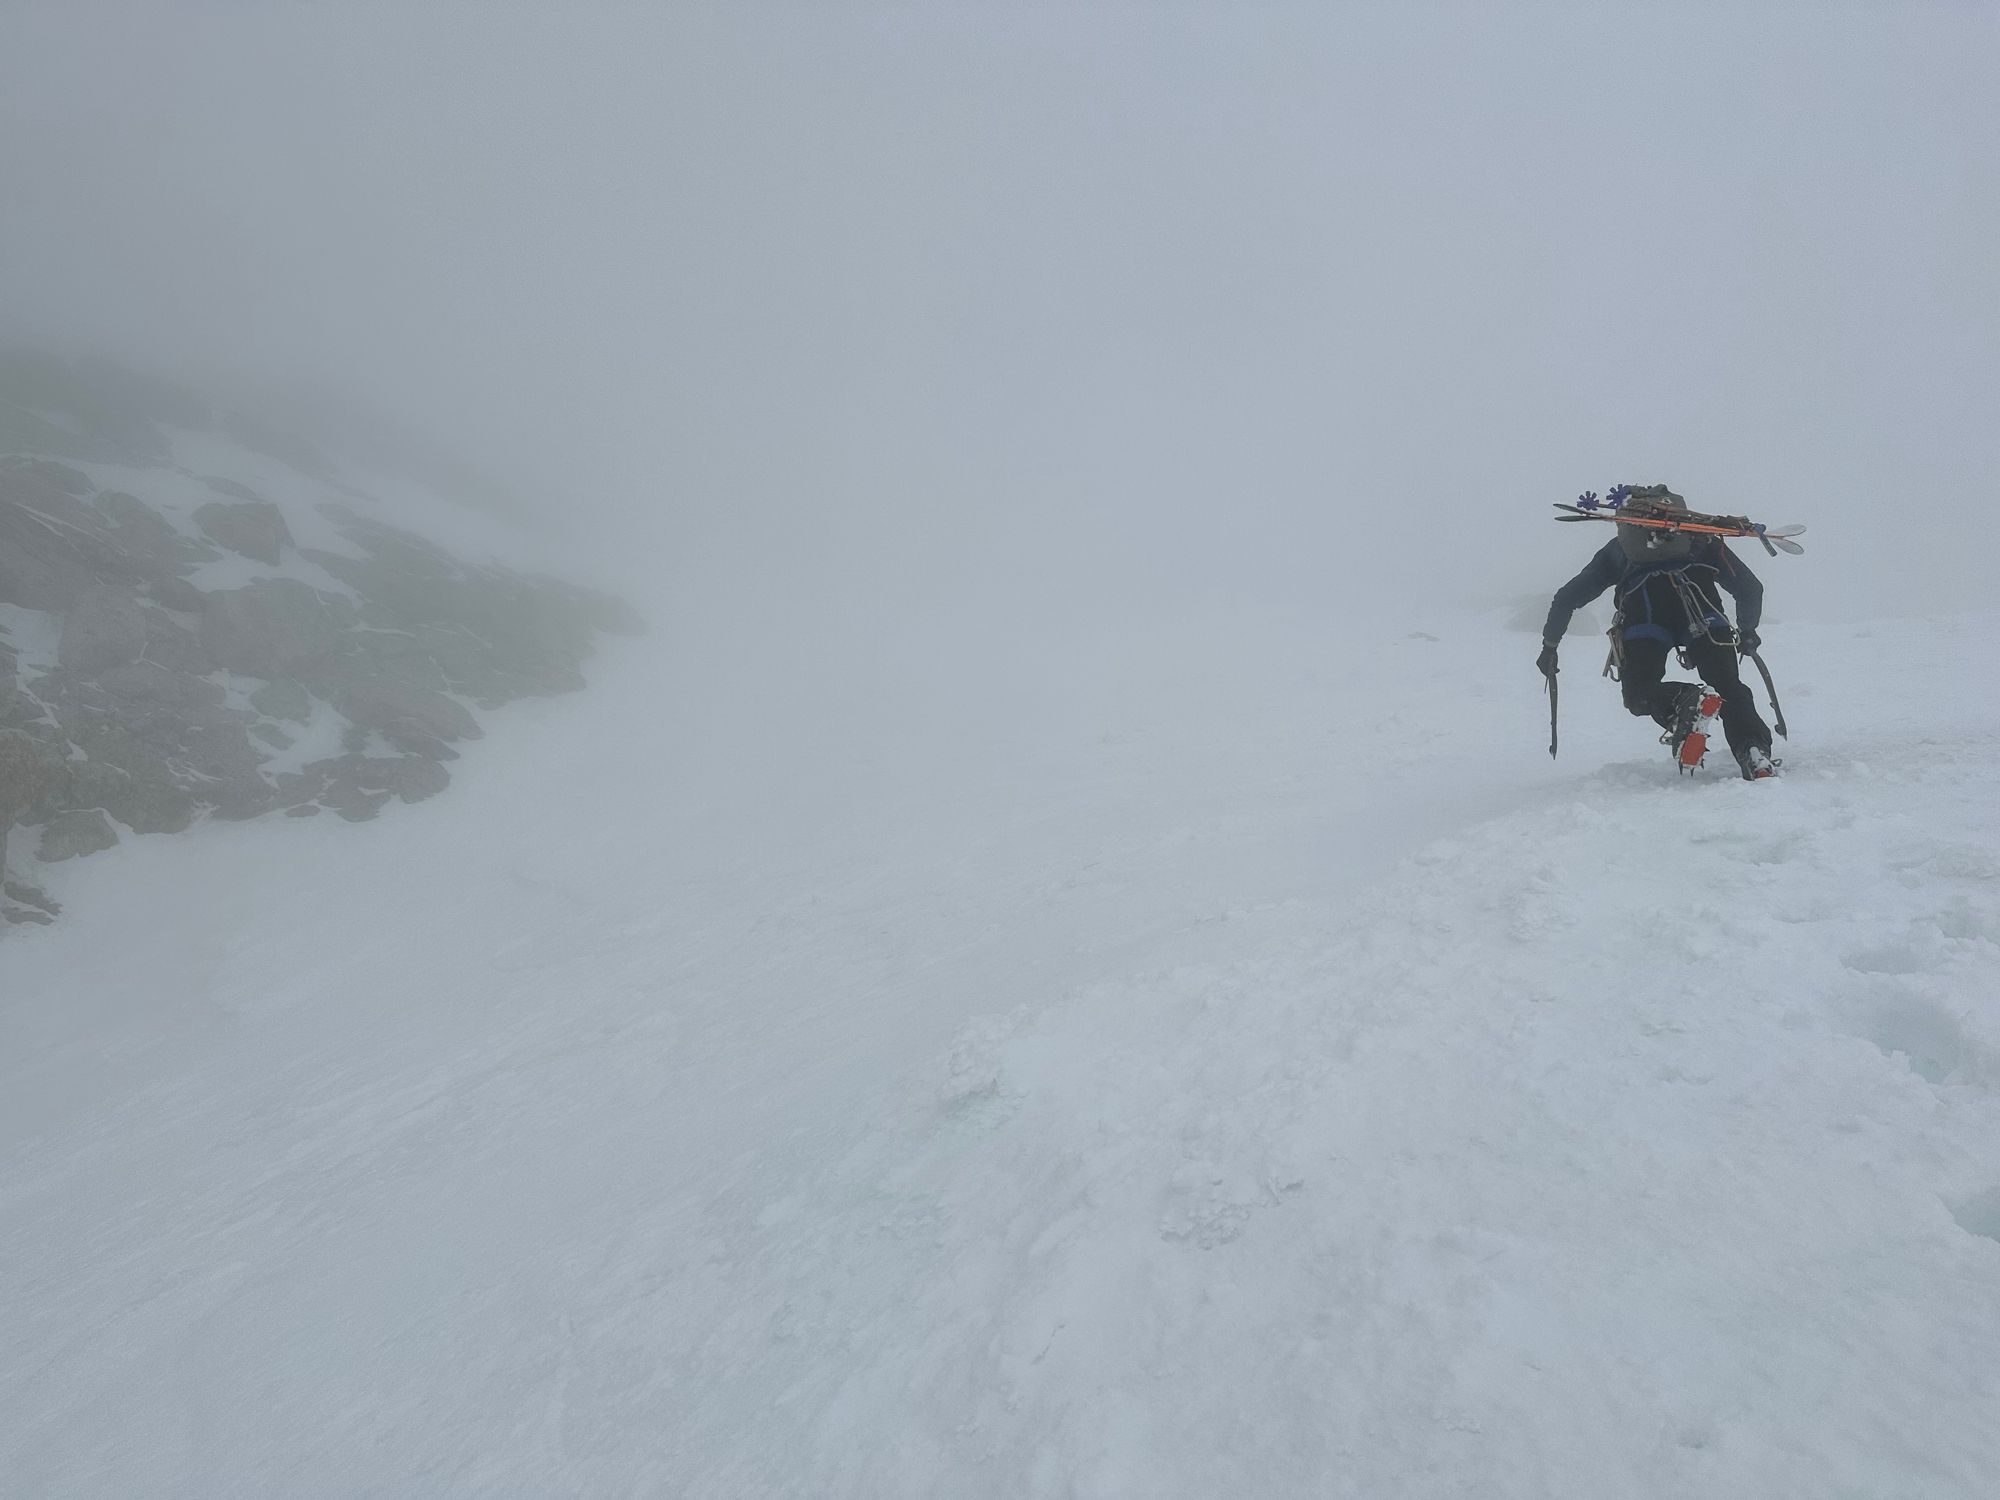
column 1649, row 544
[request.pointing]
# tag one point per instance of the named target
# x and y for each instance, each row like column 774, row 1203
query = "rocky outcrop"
column 410, row 717
column 70, row 834
column 105, row 628
column 253, row 527
column 21, row 902
column 55, row 547
column 32, row 775
column 277, row 627
column 133, row 696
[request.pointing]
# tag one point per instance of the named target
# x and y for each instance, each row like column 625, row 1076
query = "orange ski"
column 1773, row 537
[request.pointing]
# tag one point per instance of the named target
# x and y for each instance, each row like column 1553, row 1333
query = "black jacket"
column 1612, row 567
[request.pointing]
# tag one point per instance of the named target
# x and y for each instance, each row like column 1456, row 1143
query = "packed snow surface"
column 1235, row 1062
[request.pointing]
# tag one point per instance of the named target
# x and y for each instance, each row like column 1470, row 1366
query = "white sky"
column 1031, row 309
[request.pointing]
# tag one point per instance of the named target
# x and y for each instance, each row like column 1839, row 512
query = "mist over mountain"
column 842, row 312
column 204, row 615
column 819, row 750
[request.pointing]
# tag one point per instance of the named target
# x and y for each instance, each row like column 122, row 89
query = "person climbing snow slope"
column 1665, row 592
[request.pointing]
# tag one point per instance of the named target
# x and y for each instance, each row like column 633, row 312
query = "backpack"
column 1649, row 544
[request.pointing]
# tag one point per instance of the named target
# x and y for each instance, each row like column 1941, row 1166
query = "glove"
column 1747, row 641
column 1546, row 662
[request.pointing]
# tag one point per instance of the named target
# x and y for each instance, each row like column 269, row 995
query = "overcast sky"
column 1043, row 306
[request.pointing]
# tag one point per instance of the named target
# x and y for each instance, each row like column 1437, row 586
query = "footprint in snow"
column 1931, row 1041
column 1979, row 1214
column 1920, row 952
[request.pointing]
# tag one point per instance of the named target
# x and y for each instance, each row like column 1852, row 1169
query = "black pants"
column 1642, row 675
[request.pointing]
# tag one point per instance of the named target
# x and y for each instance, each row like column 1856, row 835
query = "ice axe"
column 1777, row 713
column 1549, row 685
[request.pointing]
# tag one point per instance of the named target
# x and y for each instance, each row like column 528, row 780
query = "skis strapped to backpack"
column 1629, row 510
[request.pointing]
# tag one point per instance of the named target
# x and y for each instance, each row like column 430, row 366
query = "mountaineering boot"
column 1687, row 714
column 1756, row 763
column 1694, row 716
column 1694, row 749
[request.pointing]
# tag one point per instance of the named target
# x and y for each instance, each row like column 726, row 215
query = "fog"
column 994, row 319
column 1059, row 963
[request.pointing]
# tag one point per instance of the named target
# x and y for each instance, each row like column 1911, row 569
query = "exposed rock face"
column 129, row 691
column 404, row 712
column 21, row 902
column 32, row 775
column 276, row 627
column 254, row 528
column 54, row 548
column 150, row 540
column 69, row 834
column 105, row 628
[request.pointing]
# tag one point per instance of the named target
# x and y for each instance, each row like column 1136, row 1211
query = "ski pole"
column 1550, row 682
column 1777, row 713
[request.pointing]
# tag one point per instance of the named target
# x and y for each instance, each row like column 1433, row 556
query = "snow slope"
column 1220, row 1068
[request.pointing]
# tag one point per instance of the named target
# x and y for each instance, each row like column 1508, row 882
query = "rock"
column 163, row 726
column 133, row 727
column 109, row 628
column 30, row 895
column 464, row 658
column 173, row 645
column 413, row 778
column 396, row 709
column 147, row 802
column 178, row 594
column 53, row 547
column 150, row 690
column 347, row 793
column 283, row 699
column 32, row 772
column 105, row 628
column 292, row 788
column 70, row 835
column 357, row 786
column 276, row 627
column 392, row 656
column 147, row 538
column 255, row 528
column 408, row 581
column 231, row 488
column 60, row 476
